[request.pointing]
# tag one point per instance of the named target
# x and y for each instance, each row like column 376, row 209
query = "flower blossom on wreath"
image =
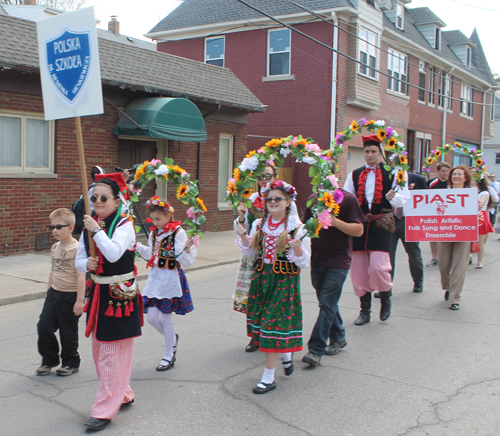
column 338, row 196
column 285, row 151
column 249, row 163
column 473, row 150
column 389, row 131
column 309, row 160
column 325, row 219
column 192, row 215
column 162, row 170
column 270, row 161
column 196, row 240
column 314, row 148
column 134, row 190
column 184, row 173
column 333, row 180
column 393, row 156
column 379, row 123
column 362, row 121
column 154, row 162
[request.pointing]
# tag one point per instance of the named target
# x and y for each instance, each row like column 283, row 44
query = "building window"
column 400, row 16
column 441, row 88
column 226, row 159
column 421, row 86
column 437, row 39
column 368, row 53
column 423, row 149
column 497, row 158
column 214, row 51
column 397, row 65
column 492, row 113
column 278, row 50
column 26, row 144
column 468, row 59
column 449, row 92
column 432, row 84
column 466, row 96
column 370, row 3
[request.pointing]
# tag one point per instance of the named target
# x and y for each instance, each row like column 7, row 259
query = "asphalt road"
column 426, row 371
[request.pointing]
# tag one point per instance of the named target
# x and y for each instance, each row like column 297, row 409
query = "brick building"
column 39, row 160
column 409, row 70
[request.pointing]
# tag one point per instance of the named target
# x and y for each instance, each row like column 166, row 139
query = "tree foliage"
column 65, row 5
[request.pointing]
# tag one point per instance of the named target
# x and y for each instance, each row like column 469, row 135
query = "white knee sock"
column 286, row 357
column 154, row 318
column 268, row 376
column 169, row 334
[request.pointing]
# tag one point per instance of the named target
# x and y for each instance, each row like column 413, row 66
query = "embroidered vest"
column 166, row 251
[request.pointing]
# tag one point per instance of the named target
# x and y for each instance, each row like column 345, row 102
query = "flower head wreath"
column 155, row 201
column 282, row 186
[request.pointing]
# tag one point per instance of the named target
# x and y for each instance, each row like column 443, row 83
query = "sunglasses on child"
column 266, row 177
column 103, row 198
column 275, row 199
column 58, row 226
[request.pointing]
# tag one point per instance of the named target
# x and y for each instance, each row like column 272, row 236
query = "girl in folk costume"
column 167, row 289
column 114, row 310
column 246, row 217
column 274, row 311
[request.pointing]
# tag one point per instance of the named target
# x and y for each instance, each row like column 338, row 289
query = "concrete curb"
column 41, row 294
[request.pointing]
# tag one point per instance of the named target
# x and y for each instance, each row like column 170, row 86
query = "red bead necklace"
column 273, row 226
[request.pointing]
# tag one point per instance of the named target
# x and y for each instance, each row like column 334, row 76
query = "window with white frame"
column 466, row 95
column 449, row 92
column 368, row 53
column 226, row 159
column 492, row 113
column 437, row 39
column 432, row 84
column 421, row 85
column 468, row 59
column 278, row 52
column 397, row 66
column 441, row 88
column 26, row 144
column 497, row 158
column 370, row 3
column 400, row 11
column 214, row 50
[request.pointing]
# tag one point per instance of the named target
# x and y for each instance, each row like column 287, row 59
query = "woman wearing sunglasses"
column 246, row 217
column 274, row 310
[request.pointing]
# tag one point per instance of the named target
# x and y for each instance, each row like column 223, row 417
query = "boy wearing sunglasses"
column 64, row 301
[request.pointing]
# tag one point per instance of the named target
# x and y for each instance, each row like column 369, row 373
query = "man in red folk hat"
column 114, row 310
column 377, row 196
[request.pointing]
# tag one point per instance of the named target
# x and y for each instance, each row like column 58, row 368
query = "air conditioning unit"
column 421, row 67
column 385, row 5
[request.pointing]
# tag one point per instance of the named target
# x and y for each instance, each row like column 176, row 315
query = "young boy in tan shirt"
column 64, row 301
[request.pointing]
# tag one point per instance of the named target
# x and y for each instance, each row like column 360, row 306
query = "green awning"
column 163, row 117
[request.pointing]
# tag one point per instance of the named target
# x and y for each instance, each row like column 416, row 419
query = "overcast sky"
column 138, row 18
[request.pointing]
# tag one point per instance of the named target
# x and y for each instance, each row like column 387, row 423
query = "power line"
column 355, row 60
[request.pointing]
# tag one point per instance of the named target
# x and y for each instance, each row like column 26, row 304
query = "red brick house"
column 409, row 70
column 39, row 160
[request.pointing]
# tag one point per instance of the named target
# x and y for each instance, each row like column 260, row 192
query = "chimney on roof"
column 30, row 2
column 114, row 24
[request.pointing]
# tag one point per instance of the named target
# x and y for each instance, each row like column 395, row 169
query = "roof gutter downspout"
column 333, row 110
column 483, row 117
column 445, row 109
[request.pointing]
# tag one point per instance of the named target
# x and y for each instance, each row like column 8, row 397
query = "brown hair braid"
column 283, row 238
column 256, row 238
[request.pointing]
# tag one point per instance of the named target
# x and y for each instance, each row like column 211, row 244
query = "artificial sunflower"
column 403, row 160
column 400, row 176
column 328, row 153
column 336, row 209
column 328, row 200
column 354, row 126
column 318, row 228
column 182, row 190
column 231, row 189
column 479, row 162
column 370, row 123
column 236, row 174
column 202, row 205
column 177, row 169
column 275, row 142
column 301, row 142
column 247, row 193
column 457, row 144
column 381, row 134
column 250, row 153
column 391, row 144
column 437, row 153
column 429, row 160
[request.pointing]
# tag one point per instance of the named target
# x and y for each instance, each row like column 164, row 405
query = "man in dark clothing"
column 330, row 263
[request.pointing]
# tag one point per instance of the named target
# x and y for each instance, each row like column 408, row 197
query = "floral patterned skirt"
column 179, row 305
column 243, row 282
column 274, row 311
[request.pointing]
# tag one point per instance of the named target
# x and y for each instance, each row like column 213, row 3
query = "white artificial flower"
column 309, row 160
column 285, row 151
column 379, row 123
column 162, row 170
column 394, row 133
column 394, row 156
column 249, row 163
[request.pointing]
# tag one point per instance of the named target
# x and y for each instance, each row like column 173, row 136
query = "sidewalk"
column 25, row 277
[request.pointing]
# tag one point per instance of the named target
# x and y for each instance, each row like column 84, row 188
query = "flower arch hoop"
column 478, row 162
column 187, row 190
column 397, row 162
column 324, row 182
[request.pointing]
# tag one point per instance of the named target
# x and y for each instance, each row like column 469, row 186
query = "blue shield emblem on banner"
column 68, row 61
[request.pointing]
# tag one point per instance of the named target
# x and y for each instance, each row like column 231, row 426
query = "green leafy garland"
column 187, row 190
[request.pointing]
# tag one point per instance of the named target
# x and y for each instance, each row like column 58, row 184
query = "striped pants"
column 113, row 363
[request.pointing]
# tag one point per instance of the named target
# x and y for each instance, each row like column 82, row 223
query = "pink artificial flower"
column 313, row 148
column 362, row 122
column 154, row 162
column 133, row 189
column 388, row 132
column 338, row 196
column 196, row 240
column 183, row 173
column 333, row 180
column 190, row 213
column 325, row 219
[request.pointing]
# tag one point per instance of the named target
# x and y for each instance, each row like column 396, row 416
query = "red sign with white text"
column 442, row 215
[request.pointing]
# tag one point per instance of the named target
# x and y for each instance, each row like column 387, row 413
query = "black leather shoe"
column 252, row 346
column 288, row 369
column 97, row 424
column 312, row 359
column 418, row 289
column 169, row 364
column 363, row 318
column 455, row 307
column 376, row 295
column 267, row 387
column 125, row 405
column 446, row 295
column 385, row 310
column 335, row 347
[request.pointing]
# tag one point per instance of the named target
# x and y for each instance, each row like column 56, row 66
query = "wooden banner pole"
column 83, row 170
